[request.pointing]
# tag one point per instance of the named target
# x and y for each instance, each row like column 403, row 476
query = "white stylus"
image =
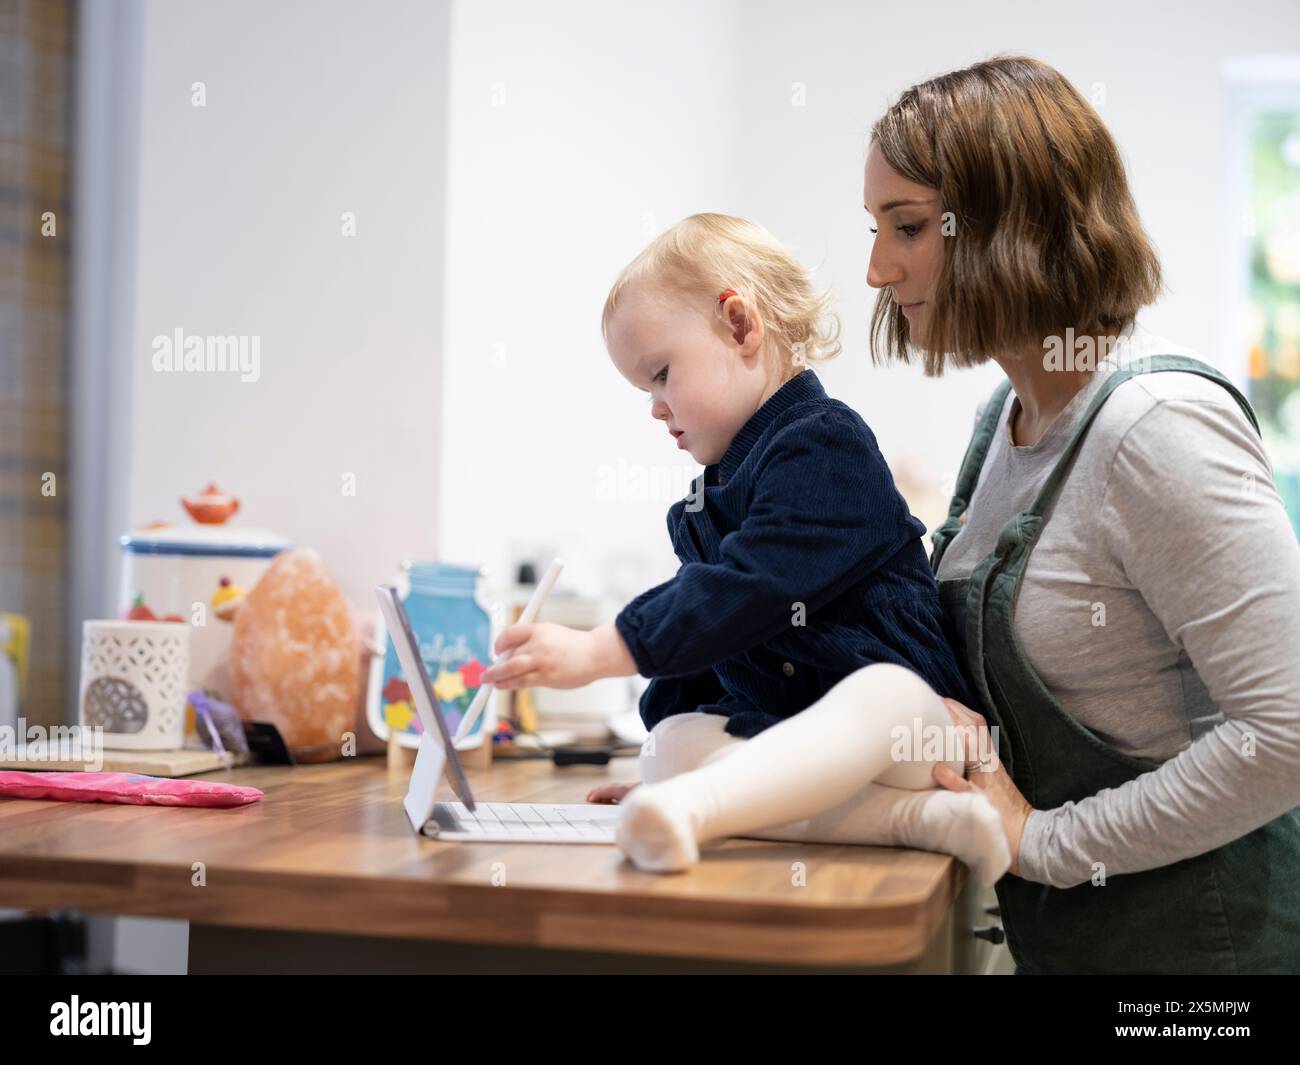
column 530, row 612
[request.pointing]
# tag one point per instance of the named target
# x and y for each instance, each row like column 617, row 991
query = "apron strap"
column 1151, row 364
column 968, row 475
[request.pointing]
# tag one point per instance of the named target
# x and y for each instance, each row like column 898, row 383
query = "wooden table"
column 325, row 874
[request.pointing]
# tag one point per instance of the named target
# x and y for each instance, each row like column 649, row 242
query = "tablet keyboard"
column 520, row 822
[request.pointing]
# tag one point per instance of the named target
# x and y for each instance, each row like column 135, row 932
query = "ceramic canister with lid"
column 195, row 573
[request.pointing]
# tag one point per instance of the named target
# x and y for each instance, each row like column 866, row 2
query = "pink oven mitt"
column 124, row 787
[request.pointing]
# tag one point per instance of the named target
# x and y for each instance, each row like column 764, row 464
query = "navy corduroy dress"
column 800, row 564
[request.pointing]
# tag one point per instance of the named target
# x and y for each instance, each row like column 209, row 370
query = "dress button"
column 788, row 669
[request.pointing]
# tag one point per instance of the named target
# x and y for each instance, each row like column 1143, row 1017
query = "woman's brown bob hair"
column 1045, row 235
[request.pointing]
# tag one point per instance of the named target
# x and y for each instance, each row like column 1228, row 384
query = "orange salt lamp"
column 295, row 658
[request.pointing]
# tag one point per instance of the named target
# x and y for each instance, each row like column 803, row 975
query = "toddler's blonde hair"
column 708, row 253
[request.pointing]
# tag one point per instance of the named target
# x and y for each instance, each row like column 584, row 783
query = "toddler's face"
column 704, row 382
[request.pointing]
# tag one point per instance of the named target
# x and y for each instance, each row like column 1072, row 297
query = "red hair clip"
column 726, row 295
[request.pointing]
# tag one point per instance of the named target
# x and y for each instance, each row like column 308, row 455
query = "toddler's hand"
column 544, row 655
column 609, row 793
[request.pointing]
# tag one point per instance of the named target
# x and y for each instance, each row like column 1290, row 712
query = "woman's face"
column 908, row 248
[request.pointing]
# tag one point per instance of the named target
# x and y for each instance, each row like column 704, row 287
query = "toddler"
column 797, row 657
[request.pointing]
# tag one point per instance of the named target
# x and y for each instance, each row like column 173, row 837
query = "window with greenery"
column 1273, row 301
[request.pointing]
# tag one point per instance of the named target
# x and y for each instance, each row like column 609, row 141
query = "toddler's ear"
column 745, row 324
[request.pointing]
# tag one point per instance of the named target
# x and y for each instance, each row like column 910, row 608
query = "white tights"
column 829, row 774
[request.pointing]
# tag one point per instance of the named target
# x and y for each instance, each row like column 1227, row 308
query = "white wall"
column 606, row 117
column 578, row 131
column 313, row 109
column 1159, row 66
column 574, row 132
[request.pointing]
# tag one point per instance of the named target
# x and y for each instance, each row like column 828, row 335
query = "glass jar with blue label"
column 453, row 630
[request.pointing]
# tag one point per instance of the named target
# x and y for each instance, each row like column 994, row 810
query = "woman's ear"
column 744, row 323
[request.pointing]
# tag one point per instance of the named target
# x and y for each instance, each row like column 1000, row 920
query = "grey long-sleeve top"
column 1161, row 607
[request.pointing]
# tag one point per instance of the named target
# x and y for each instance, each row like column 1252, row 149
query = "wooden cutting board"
column 179, row 763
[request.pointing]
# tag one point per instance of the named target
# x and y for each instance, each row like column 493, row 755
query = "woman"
column 1117, row 572
column 1117, row 569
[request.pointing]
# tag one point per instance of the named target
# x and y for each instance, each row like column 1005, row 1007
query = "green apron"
column 1232, row 910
